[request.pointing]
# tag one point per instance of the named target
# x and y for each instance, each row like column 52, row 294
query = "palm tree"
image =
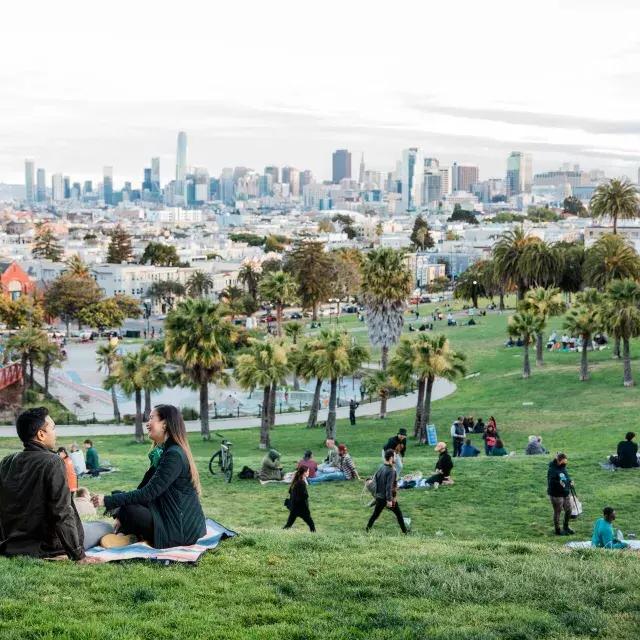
column 107, row 356
column 264, row 366
column 293, row 331
column 29, row 342
column 379, row 385
column 280, row 289
column 199, row 284
column 402, row 368
column 155, row 377
column 623, row 300
column 540, row 264
column 77, row 267
column 233, row 299
column 304, row 361
column 249, row 276
column 386, row 284
column 615, row 199
column 336, row 355
column 49, row 356
column 543, row 303
column 525, row 325
column 585, row 320
column 507, row 257
column 611, row 257
column 198, row 339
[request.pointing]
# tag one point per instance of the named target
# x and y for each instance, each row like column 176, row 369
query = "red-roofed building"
column 15, row 281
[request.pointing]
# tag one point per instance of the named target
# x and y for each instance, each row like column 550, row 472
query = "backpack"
column 247, row 474
column 370, row 484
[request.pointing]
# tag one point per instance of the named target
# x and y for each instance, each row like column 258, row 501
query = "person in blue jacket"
column 604, row 535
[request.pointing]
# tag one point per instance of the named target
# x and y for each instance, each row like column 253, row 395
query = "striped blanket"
column 141, row 550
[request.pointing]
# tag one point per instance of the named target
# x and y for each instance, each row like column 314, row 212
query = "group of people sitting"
column 39, row 516
column 570, row 343
column 462, row 446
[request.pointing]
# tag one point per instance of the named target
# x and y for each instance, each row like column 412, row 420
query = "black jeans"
column 436, row 477
column 381, row 503
column 136, row 519
column 352, row 418
column 300, row 512
column 457, row 447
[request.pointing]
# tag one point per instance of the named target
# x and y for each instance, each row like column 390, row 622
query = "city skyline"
column 493, row 91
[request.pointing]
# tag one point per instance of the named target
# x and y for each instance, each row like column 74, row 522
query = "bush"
column 189, row 414
column 31, row 396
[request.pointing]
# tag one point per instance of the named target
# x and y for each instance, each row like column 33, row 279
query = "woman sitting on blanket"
column 271, row 468
column 165, row 509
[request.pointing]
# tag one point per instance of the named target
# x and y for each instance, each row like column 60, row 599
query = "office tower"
column 274, row 173
column 306, row 177
column 107, row 185
column 362, row 170
column 445, row 181
column 291, row 176
column 409, row 179
column 181, row 166
column 265, row 185
column 57, row 187
column 432, row 184
column 67, row 187
column 87, row 188
column 29, row 178
column 147, row 182
column 41, row 186
column 341, row 165
column 76, row 191
column 201, row 185
column 214, row 189
column 227, row 187
column 155, row 175
column 519, row 172
column 463, row 176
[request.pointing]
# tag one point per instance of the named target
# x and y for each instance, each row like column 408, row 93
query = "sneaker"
column 568, row 531
column 436, row 485
column 407, row 524
column 116, row 540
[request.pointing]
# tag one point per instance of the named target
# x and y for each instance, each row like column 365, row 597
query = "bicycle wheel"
column 228, row 472
column 213, row 461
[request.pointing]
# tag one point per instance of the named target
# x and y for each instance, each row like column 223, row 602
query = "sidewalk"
column 441, row 388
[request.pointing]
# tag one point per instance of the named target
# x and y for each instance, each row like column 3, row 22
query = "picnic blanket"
column 586, row 544
column 190, row 554
column 288, row 477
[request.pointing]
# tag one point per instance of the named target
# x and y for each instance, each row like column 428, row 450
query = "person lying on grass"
column 604, row 535
column 165, row 509
column 37, row 512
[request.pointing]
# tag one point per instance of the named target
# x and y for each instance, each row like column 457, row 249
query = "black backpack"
column 247, row 474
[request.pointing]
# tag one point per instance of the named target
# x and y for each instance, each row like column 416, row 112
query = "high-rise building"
column 291, row 176
column 181, row 166
column 274, row 173
column 410, row 170
column 155, row 175
column 201, row 185
column 67, row 187
column 29, row 181
column 76, row 191
column 41, row 186
column 519, row 173
column 463, row 176
column 57, row 187
column 432, row 185
column 306, row 177
column 362, row 170
column 341, row 165
column 147, row 183
column 107, row 185
column 265, row 185
column 445, row 181
column 87, row 188
column 226, row 187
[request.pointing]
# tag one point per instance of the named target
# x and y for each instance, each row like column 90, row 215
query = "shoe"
column 568, row 531
column 558, row 531
column 436, row 485
column 407, row 524
column 116, row 540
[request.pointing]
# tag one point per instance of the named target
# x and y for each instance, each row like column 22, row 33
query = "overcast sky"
column 87, row 84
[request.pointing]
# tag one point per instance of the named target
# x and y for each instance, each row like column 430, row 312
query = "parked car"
column 351, row 308
column 296, row 315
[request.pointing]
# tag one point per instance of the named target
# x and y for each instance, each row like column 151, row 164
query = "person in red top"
column 309, row 463
column 72, row 478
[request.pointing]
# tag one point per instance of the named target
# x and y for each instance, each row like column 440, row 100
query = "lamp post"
column 147, row 313
column 473, row 294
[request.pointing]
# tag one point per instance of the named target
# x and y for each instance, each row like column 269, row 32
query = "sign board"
column 432, row 436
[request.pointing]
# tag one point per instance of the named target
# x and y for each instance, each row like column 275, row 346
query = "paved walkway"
column 441, row 389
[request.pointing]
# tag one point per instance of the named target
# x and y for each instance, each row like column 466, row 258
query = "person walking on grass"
column 559, row 485
column 386, row 486
column 298, row 500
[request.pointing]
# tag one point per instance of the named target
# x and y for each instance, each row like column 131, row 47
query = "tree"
column 249, row 276
column 611, row 257
column 420, row 237
column 540, row 264
column 312, row 268
column 68, row 295
column 543, row 303
column 199, row 284
column 524, row 325
column 305, row 363
column 542, row 214
column 379, row 384
column 264, row 366
column 46, row 244
column 347, row 278
column 293, row 331
column 615, row 199
column 439, row 284
column 276, row 242
column 622, row 301
column 77, row 267
column 336, row 355
column 279, row 289
column 48, row 356
column 167, row 291
column 107, row 355
column 326, row 226
column 29, row 343
column 128, row 305
column 507, row 257
column 155, row 378
column 119, row 249
column 21, row 312
column 460, row 215
column 198, row 339
column 573, row 206
column 585, row 320
column 102, row 314
column 233, row 299
column 386, row 284
column 571, row 278
column 470, row 284
column 160, row 255
column 402, row 368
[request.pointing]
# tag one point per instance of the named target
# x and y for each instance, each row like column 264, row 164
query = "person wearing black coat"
column 559, row 485
column 165, row 510
column 298, row 500
column 444, row 465
column 627, row 453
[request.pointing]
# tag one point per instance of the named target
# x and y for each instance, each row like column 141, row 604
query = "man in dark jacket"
column 444, row 465
column 559, row 485
column 627, row 457
column 353, row 405
column 386, row 482
column 397, row 443
column 37, row 515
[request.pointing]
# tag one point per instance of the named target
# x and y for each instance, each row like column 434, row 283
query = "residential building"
column 15, row 281
column 341, row 165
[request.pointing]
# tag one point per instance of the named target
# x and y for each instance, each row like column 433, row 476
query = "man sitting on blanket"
column 444, row 465
column 603, row 534
column 330, row 468
column 37, row 515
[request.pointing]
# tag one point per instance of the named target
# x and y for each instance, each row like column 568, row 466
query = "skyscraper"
column 462, row 177
column 155, row 175
column 57, row 187
column 67, row 187
column 432, row 186
column 519, row 172
column 410, row 170
column 341, row 165
column 306, row 177
column 147, row 183
column 41, row 186
column 291, row 176
column 362, row 170
column 29, row 177
column 181, row 164
column 274, row 173
column 107, row 185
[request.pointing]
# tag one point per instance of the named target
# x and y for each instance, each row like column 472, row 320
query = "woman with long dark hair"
column 298, row 501
column 165, row 509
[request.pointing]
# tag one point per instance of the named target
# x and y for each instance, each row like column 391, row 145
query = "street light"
column 473, row 297
column 147, row 313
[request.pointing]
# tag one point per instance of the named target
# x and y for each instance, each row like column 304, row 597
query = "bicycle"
column 223, row 458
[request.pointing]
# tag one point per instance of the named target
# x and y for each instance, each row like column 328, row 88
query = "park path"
column 441, row 389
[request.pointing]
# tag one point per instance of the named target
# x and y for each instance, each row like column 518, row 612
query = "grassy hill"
column 481, row 563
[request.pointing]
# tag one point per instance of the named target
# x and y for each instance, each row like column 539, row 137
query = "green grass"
column 481, row 563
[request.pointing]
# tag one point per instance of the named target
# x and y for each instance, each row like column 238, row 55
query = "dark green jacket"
column 91, row 459
column 178, row 518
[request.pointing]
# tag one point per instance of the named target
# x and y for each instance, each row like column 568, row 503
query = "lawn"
column 481, row 563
